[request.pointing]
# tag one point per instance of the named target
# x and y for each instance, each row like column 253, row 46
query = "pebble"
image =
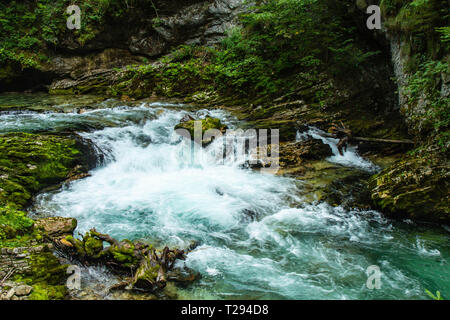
column 23, row 290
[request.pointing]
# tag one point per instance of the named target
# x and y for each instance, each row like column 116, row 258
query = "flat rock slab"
column 57, row 226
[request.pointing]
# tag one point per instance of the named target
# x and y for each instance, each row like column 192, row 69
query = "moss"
column 151, row 273
column 207, row 124
column 93, row 246
column 42, row 291
column 147, row 273
column 45, row 268
column 46, row 275
column 31, row 162
column 13, row 223
column 124, row 253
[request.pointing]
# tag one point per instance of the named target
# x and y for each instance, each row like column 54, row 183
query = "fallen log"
column 403, row 141
column 345, row 137
column 152, row 272
column 152, row 266
column 406, row 141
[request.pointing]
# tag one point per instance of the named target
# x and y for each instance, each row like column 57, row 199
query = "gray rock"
column 23, row 290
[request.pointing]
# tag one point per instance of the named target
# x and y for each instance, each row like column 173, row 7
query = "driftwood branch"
column 104, row 237
column 405, row 141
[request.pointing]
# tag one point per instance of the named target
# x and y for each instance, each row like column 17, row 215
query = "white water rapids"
column 257, row 239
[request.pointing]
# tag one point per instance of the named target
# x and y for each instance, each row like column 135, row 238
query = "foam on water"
column 350, row 157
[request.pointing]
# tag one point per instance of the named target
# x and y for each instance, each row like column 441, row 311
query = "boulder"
column 295, row 153
column 188, row 123
column 56, row 226
column 23, row 290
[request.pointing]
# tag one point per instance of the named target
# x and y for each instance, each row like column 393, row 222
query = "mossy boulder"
column 415, row 187
column 31, row 162
column 189, row 124
column 312, row 149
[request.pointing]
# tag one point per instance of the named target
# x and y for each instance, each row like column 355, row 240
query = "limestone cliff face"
column 175, row 23
column 417, row 186
column 152, row 32
column 141, row 33
column 415, row 114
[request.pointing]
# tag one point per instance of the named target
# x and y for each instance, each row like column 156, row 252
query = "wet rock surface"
column 187, row 128
column 415, row 187
column 56, row 226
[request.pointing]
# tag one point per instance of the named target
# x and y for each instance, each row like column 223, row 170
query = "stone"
column 57, row 226
column 292, row 154
column 415, row 187
column 187, row 123
column 10, row 293
column 23, row 290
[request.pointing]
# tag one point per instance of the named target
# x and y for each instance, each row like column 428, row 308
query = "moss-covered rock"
column 13, row 223
column 28, row 164
column 208, row 123
column 31, row 162
column 415, row 187
column 42, row 270
column 312, row 149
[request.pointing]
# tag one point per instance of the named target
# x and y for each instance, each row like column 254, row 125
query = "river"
column 257, row 238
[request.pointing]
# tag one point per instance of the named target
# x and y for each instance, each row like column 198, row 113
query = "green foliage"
column 427, row 19
column 280, row 42
column 445, row 34
column 13, row 223
column 282, row 38
column 30, row 27
column 434, row 297
column 426, row 81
